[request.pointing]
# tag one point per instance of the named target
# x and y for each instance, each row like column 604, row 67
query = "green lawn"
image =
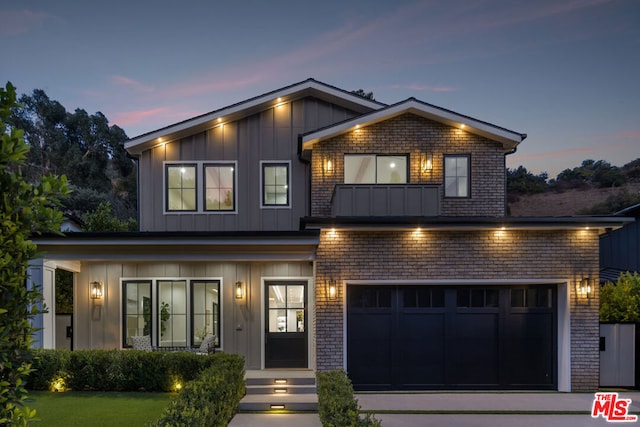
column 77, row 408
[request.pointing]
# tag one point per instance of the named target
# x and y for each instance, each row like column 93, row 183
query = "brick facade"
column 412, row 135
column 465, row 255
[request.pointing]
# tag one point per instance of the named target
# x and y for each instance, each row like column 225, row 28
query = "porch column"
column 41, row 276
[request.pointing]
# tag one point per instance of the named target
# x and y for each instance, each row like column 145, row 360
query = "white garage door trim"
column 564, row 313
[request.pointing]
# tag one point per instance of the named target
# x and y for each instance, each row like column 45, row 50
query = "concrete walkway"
column 488, row 409
column 472, row 409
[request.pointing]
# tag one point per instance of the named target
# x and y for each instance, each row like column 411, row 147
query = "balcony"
column 385, row 200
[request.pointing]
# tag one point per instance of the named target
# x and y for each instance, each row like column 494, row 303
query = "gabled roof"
column 508, row 138
column 309, row 87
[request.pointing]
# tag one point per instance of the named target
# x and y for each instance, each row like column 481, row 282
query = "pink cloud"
column 126, row 118
column 629, row 134
column 554, row 154
column 129, row 83
column 16, row 22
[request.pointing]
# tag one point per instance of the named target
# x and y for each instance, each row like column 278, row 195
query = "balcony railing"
column 385, row 200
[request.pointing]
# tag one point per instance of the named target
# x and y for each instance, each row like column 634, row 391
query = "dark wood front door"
column 286, row 335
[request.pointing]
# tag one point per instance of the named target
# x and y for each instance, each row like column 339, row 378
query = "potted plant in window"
column 164, row 316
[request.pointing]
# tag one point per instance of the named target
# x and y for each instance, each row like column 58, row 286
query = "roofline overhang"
column 176, row 246
column 464, row 223
column 310, row 87
column 508, row 138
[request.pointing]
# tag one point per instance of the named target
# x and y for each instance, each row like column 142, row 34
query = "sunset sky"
column 565, row 72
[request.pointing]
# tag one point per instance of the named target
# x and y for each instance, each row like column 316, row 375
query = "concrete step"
column 270, row 402
column 271, row 389
column 281, row 389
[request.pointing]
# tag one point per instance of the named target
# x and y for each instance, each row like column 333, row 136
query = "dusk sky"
column 565, row 72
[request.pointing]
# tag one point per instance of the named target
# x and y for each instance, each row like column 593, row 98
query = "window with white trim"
column 219, row 187
column 275, row 184
column 181, row 187
column 200, row 187
column 457, row 175
column 375, row 169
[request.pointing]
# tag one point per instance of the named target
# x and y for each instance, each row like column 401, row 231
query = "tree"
column 620, row 302
column 363, row 94
column 102, row 219
column 522, row 181
column 25, row 209
column 81, row 146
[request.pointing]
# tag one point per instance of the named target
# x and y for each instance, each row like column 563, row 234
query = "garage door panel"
column 369, row 357
column 474, row 349
column 421, row 354
column 529, row 349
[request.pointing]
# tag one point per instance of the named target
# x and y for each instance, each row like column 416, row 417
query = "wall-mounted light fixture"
column 584, row 290
column 426, row 162
column 239, row 290
column 330, row 288
column 96, row 292
column 328, row 165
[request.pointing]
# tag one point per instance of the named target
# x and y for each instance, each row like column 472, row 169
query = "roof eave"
column 509, row 139
column 309, row 87
column 607, row 223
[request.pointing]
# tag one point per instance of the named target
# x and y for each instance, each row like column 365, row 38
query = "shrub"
column 209, row 400
column 337, row 405
column 115, row 370
column 621, row 302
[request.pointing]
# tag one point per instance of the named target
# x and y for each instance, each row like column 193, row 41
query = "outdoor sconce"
column 330, row 288
column 96, row 292
column 426, row 162
column 583, row 288
column 239, row 290
column 328, row 165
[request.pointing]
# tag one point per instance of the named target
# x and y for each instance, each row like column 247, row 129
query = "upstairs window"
column 275, row 184
column 200, row 187
column 181, row 187
column 219, row 185
column 375, row 169
column 456, row 176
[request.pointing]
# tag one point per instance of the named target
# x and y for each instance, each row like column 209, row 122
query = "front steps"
column 277, row 390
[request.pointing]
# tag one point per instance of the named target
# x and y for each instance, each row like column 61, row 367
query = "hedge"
column 210, row 400
column 337, row 406
column 116, row 370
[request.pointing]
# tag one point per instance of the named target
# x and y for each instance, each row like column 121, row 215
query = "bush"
column 116, row 370
column 337, row 405
column 620, row 303
column 209, row 400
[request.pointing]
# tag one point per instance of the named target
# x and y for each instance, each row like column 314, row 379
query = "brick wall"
column 413, row 135
column 488, row 254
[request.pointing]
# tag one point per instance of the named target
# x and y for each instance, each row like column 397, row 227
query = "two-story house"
column 312, row 228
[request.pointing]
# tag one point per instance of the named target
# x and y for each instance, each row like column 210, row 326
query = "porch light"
column 328, row 165
column 426, row 162
column 330, row 288
column 239, row 290
column 96, row 292
column 583, row 288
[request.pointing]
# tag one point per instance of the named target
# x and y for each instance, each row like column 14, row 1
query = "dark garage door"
column 464, row 337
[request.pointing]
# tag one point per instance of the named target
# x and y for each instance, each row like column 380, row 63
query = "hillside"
column 566, row 203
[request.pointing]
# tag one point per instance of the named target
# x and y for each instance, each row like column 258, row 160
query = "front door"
column 286, row 325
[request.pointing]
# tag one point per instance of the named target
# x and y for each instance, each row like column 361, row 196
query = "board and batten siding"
column 241, row 323
column 269, row 135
